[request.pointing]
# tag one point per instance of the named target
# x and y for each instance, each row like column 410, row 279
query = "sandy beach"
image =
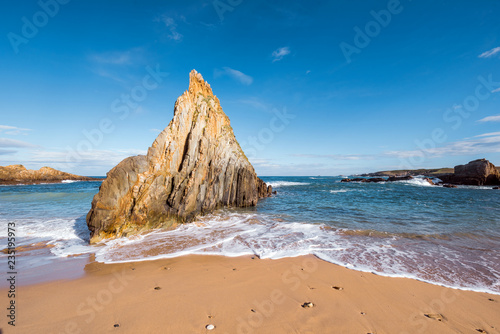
column 246, row 295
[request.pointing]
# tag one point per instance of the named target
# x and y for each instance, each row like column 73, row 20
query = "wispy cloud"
column 235, row 74
column 496, row 90
column 256, row 103
column 337, row 156
column 106, row 74
column 488, row 134
column 484, row 143
column 155, row 130
column 480, row 144
column 113, row 58
column 9, row 143
column 97, row 158
column 7, row 152
column 172, row 27
column 13, row 130
column 490, row 119
column 110, row 64
column 278, row 54
column 264, row 163
column 490, row 53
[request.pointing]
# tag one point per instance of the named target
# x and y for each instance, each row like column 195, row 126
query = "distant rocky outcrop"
column 194, row 166
column 477, row 173
column 18, row 174
column 399, row 178
column 412, row 172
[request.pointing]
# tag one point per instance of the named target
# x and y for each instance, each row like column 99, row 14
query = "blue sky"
column 311, row 88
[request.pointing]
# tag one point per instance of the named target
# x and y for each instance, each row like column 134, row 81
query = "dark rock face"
column 18, row 174
column 193, row 167
column 399, row 178
column 376, row 179
column 476, row 173
column 370, row 180
column 447, row 185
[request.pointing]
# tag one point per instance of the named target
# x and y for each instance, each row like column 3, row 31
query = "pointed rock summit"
column 194, row 166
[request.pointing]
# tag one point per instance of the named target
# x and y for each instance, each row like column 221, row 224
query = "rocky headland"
column 479, row 172
column 18, row 174
column 194, row 166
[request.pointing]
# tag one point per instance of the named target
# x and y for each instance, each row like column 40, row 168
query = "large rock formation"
column 477, row 173
column 194, row 166
column 18, row 174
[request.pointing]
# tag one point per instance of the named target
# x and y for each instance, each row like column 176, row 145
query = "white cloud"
column 337, row 156
column 488, row 134
column 263, row 163
column 6, row 142
column 256, row 103
column 484, row 143
column 109, row 75
column 490, row 53
column 280, row 53
column 235, row 74
column 6, row 152
column 76, row 160
column 12, row 130
column 490, row 119
column 113, row 58
column 172, row 26
column 155, row 130
column 480, row 144
column 496, row 90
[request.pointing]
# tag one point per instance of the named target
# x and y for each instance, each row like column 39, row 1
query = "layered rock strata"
column 194, row 166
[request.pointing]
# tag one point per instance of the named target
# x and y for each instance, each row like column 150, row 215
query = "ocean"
column 449, row 237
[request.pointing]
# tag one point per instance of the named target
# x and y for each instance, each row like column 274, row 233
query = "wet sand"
column 246, row 295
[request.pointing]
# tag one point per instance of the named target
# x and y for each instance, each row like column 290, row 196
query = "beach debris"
column 307, row 304
column 210, row 327
column 210, row 317
column 337, row 287
column 234, row 269
column 157, row 287
column 116, row 325
column 480, row 330
column 253, row 311
column 363, row 313
column 435, row 316
column 491, row 299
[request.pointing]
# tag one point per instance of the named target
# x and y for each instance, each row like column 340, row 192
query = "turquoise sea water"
column 406, row 229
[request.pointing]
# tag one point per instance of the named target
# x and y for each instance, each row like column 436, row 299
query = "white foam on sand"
column 238, row 234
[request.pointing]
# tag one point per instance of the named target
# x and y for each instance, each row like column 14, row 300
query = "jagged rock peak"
column 193, row 167
column 198, row 85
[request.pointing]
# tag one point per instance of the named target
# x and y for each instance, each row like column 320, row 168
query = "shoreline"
column 247, row 295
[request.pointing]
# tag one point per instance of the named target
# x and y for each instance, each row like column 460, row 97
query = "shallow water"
column 406, row 229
